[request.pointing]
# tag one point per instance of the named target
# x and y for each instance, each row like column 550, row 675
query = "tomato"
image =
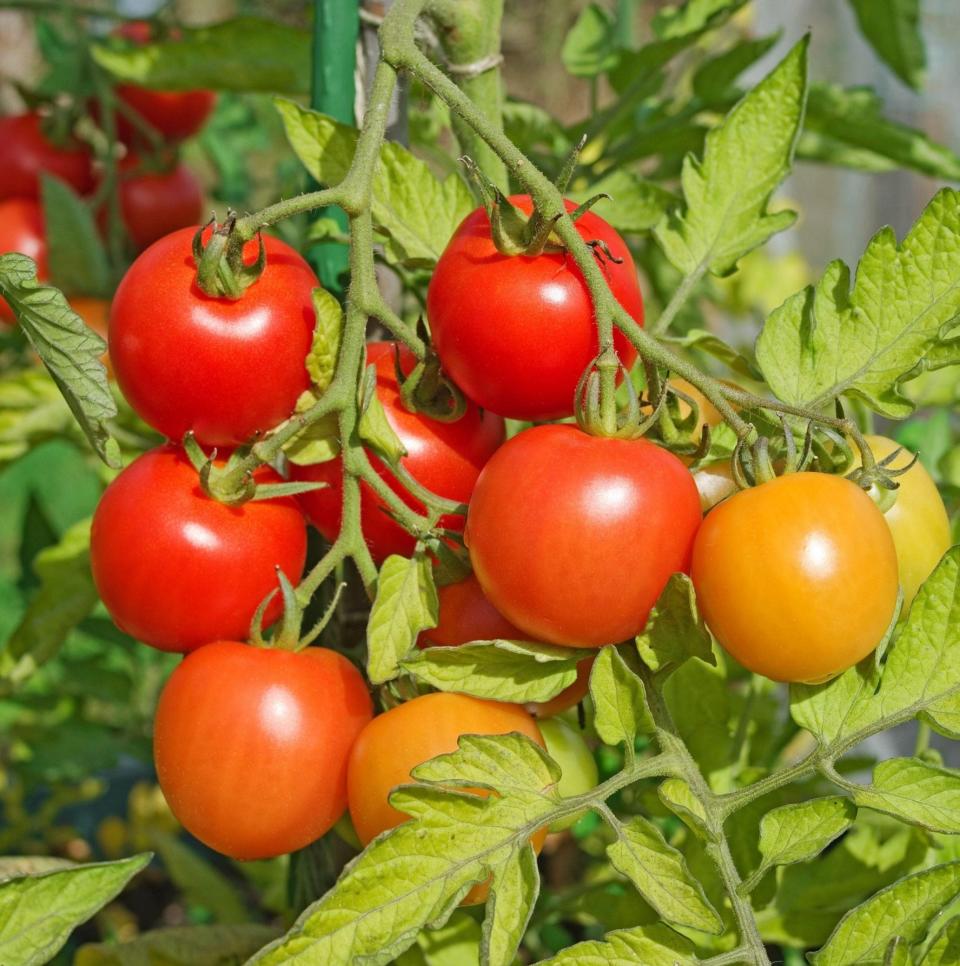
column 94, row 313
column 444, row 457
column 394, row 743
column 918, row 520
column 175, row 568
column 573, row 537
column 578, row 768
column 797, row 577
column 21, row 230
column 251, row 745
column 153, row 204
column 227, row 369
column 516, row 333
column 466, row 615
column 25, row 153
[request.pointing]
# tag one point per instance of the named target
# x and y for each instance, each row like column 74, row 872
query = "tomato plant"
column 26, row 152
column 577, row 765
column 175, row 568
column 156, row 203
column 21, row 230
column 251, row 745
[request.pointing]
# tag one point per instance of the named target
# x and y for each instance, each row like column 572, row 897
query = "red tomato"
column 154, row 204
column 21, row 230
column 225, row 369
column 466, row 615
column 516, row 333
column 797, row 577
column 251, row 745
column 444, row 457
column 175, row 568
column 25, row 153
column 573, row 537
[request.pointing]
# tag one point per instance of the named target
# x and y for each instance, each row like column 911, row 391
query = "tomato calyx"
column 289, row 634
column 631, row 420
column 221, row 270
column 880, row 481
column 427, row 390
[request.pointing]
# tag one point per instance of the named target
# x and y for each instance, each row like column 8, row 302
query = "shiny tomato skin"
column 573, row 537
column 176, row 115
column 516, row 333
column 797, row 577
column 25, row 153
column 175, row 568
column 21, row 230
column 225, row 369
column 251, row 745
column 153, row 204
column 444, row 457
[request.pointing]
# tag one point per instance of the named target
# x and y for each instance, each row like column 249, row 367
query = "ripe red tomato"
column 444, row 457
column 21, row 230
column 797, row 577
column 225, row 369
column 466, row 615
column 175, row 568
column 251, row 745
column 516, row 333
column 25, row 154
column 154, row 204
column 573, row 537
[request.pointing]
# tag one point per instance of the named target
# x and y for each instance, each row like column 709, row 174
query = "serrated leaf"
column 416, row 211
column 916, row 792
column 677, row 795
column 904, row 909
column 180, row 946
column 65, row 597
column 619, row 699
column 217, row 57
column 829, row 340
column 661, row 876
column 715, row 76
column 675, row 630
column 635, row 205
column 76, row 256
column 725, row 196
column 515, row 671
column 945, row 948
column 38, row 912
column 846, row 126
column 516, row 885
column 322, row 357
column 70, row 351
column 796, row 833
column 892, row 28
column 406, row 603
column 653, row 945
column 590, row 47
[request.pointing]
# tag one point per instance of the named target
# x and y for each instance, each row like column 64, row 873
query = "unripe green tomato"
column 579, row 770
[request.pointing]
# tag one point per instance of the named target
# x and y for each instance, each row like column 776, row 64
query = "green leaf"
column 406, row 603
column 846, row 126
column 636, row 204
column 453, row 944
column 710, row 343
column 944, row 716
column 16, row 866
column 897, row 953
column 70, row 351
column 796, row 833
column 38, row 912
column 904, row 909
column 619, row 699
column 661, row 876
column 416, row 211
column 317, row 443
column 715, row 77
column 180, row 946
column 77, row 258
column 692, row 17
column 916, row 792
column 827, row 341
column 32, row 410
column 373, row 426
column 322, row 358
column 675, row 630
column 653, row 945
column 745, row 158
column 892, row 28
column 529, row 126
column 219, row 57
column 514, row 671
column 677, row 795
column 590, row 47
column 509, row 907
column 945, row 948
column 66, row 596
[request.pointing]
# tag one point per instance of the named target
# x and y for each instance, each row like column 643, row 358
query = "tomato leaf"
column 714, row 79
column 635, row 205
column 653, row 945
column 218, row 57
column 454, row 943
column 892, row 28
column 415, row 211
column 620, row 700
column 70, row 351
column 406, row 603
column 686, row 19
column 677, row 795
column 904, row 909
column 39, row 911
column 317, row 443
column 725, row 214
column 945, row 948
column 916, row 792
column 32, row 410
column 675, row 630
column 514, row 671
column 77, row 258
column 509, row 907
column 827, row 341
column 322, row 358
column 591, row 46
column 373, row 427
column 798, row 832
